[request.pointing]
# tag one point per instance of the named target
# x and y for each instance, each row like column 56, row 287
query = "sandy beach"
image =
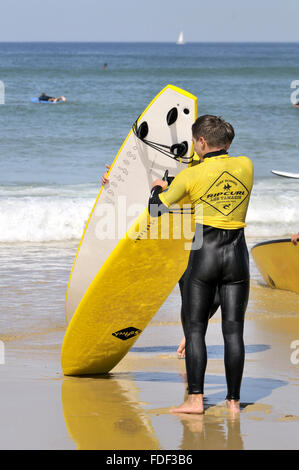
column 129, row 408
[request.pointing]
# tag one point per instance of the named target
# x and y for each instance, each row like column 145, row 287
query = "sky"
column 149, row 21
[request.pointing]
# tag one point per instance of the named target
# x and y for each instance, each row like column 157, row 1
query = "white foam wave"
column 58, row 213
column 273, row 209
column 42, row 214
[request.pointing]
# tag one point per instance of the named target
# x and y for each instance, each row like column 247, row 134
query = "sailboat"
column 181, row 38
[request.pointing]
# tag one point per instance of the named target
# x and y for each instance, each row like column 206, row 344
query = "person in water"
column 295, row 238
column 44, row 97
column 230, row 134
column 222, row 186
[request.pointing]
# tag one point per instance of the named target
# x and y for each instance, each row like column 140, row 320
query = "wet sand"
column 128, row 409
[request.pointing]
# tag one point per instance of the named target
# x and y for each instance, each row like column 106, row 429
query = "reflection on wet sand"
column 205, row 432
column 107, row 412
column 218, row 428
column 104, row 413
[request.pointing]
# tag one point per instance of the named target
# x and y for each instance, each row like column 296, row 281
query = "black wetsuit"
column 45, row 98
column 216, row 302
column 220, row 264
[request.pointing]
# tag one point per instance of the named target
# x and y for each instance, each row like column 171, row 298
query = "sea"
column 52, row 157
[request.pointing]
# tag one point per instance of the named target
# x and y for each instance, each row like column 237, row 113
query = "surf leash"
column 176, row 151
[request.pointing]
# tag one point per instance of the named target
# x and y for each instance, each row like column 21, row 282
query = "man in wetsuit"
column 44, row 97
column 181, row 349
column 221, row 185
column 230, row 134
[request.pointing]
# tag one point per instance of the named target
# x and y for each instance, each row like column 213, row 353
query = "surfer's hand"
column 181, row 349
column 105, row 175
column 295, row 238
column 161, row 183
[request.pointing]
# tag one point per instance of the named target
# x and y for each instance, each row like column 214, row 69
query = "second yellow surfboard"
column 278, row 262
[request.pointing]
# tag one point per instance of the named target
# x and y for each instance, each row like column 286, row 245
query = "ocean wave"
column 273, row 208
column 44, row 213
column 59, row 213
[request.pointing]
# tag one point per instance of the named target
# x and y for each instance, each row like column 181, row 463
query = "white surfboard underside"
column 131, row 175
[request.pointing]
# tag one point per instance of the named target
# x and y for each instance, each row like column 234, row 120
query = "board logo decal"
column 127, row 333
column 225, row 194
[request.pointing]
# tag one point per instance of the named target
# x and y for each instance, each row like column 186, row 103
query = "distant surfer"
column 104, row 66
column 221, row 185
column 44, row 97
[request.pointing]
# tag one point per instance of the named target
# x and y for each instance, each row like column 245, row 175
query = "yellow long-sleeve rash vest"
column 220, row 185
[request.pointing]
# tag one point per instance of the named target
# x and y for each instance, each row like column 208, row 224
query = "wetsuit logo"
column 226, row 194
column 127, row 333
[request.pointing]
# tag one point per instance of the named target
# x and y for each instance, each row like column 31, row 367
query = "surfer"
column 222, row 185
column 295, row 238
column 181, row 349
column 230, row 134
column 44, row 97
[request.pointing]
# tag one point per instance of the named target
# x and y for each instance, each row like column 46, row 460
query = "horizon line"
column 145, row 42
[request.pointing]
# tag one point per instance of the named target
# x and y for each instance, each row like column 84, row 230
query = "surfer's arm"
column 159, row 201
column 155, row 205
column 176, row 191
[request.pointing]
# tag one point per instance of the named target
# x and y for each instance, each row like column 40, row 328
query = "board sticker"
column 127, row 333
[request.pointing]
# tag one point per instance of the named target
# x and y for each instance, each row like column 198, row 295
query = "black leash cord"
column 161, row 147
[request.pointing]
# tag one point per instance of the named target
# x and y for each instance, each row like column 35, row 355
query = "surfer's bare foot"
column 193, row 405
column 181, row 349
column 233, row 405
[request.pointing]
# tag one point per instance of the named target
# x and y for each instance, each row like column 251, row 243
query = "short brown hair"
column 214, row 130
column 230, row 132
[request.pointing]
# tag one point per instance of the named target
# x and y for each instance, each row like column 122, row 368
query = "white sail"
column 181, row 38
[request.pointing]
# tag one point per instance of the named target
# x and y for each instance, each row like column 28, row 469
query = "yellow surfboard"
column 278, row 263
column 166, row 122
column 116, row 284
column 127, row 292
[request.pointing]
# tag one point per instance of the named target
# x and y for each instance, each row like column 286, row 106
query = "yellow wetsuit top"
column 219, row 189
